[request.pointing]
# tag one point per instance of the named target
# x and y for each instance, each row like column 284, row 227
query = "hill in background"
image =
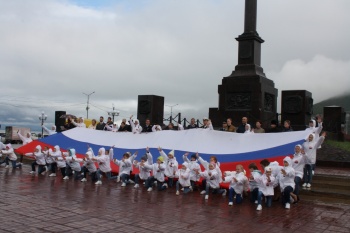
column 342, row 101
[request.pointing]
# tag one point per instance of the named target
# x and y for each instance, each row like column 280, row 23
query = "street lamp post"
column 87, row 105
column 42, row 118
column 171, row 111
column 113, row 113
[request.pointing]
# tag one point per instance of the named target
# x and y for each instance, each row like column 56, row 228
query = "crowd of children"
column 275, row 182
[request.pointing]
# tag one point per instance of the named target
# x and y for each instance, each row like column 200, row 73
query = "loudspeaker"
column 150, row 107
column 59, row 121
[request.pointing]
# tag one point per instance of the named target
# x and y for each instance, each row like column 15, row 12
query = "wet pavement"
column 49, row 204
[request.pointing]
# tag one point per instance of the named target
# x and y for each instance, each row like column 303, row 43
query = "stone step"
column 326, row 192
column 332, row 184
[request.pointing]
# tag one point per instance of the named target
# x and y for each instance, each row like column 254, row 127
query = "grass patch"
column 341, row 145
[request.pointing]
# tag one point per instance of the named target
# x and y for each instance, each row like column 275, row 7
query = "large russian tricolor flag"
column 230, row 148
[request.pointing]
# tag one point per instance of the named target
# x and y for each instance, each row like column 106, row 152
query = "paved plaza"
column 49, row 204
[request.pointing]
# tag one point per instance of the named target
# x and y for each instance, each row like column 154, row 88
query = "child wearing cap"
column 89, row 166
column 265, row 183
column 50, row 162
column 212, row 178
column 298, row 164
column 253, row 185
column 72, row 164
column 310, row 148
column 104, row 162
column 144, row 172
column 158, row 170
column 205, row 164
column 39, row 160
column 171, row 166
column 184, row 179
column 125, row 165
column 10, row 156
column 236, row 181
column 56, row 154
column 194, row 167
column 286, row 181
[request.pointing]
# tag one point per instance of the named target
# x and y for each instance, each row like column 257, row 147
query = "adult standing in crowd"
column 224, row 126
column 258, row 128
column 230, row 127
column 241, row 128
column 148, row 127
column 100, row 125
column 286, row 126
column 192, row 124
column 273, row 127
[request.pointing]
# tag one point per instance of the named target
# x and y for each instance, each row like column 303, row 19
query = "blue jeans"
column 254, row 195
column 125, row 178
column 297, row 181
column 232, row 193
column 41, row 168
column 186, row 189
column 52, row 167
column 170, row 182
column 286, row 194
column 108, row 174
column 268, row 199
column 215, row 190
column 308, row 173
column 150, row 181
column 77, row 174
column 92, row 174
column 14, row 163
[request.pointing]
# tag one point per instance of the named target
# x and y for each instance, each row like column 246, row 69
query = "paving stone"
column 45, row 204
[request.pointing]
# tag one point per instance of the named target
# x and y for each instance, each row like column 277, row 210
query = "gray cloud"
column 53, row 51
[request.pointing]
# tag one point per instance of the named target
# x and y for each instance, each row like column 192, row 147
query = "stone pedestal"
column 247, row 92
column 150, row 107
column 333, row 118
column 297, row 107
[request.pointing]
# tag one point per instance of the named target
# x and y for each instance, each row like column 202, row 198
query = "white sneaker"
column 259, row 207
column 308, row 185
column 291, row 200
column 287, row 206
column 136, row 186
column 256, row 202
column 182, row 189
column 191, row 189
column 177, row 193
column 43, row 173
column 230, row 203
column 98, row 182
column 206, row 197
column 149, row 189
column 52, row 174
column 7, row 166
column 224, row 193
column 131, row 182
column 32, row 172
column 66, row 178
column 165, row 185
column 203, row 192
column 83, row 180
column 123, row 184
column 46, row 169
column 144, row 183
column 118, row 179
column 304, row 185
column 313, row 172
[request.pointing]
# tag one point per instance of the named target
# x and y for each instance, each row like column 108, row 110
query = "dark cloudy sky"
column 52, row 51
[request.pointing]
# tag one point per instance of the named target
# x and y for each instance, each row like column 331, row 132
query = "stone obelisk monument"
column 247, row 91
